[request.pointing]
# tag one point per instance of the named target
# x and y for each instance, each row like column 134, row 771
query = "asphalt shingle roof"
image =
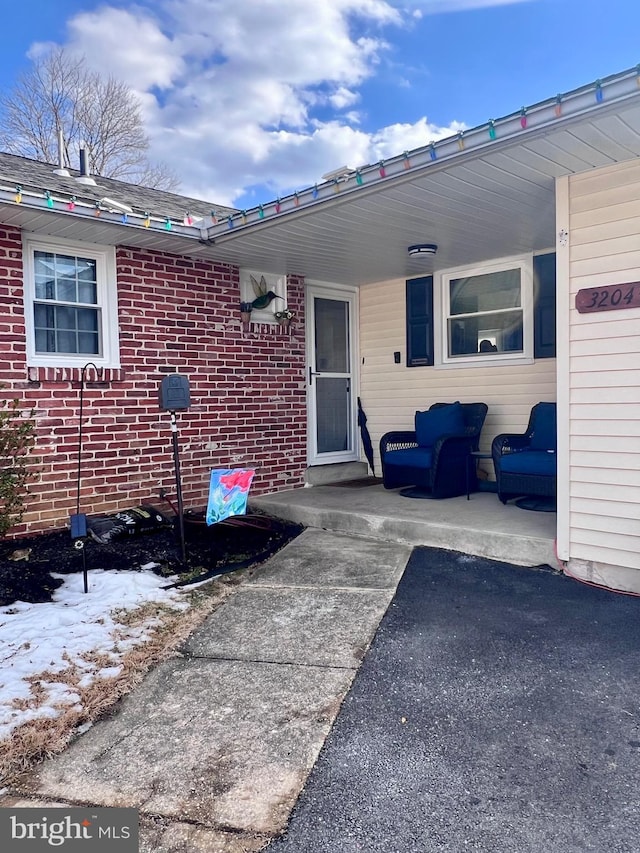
column 34, row 176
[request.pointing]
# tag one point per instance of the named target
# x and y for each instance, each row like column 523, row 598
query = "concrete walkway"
column 214, row 746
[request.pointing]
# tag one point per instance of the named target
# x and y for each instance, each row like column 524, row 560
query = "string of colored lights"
column 278, row 206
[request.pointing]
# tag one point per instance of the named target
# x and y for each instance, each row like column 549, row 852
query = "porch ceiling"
column 497, row 203
column 495, row 200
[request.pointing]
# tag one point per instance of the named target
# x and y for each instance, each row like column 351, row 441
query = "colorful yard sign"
column 228, row 493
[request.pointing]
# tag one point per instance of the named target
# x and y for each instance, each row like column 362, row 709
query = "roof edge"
column 528, row 121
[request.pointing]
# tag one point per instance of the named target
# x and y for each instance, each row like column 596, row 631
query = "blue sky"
column 250, row 99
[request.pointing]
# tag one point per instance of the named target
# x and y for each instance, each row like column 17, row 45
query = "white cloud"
column 396, row 138
column 128, row 44
column 432, row 7
column 242, row 93
column 343, row 97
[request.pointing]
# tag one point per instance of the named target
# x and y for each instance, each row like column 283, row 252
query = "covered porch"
column 481, row 526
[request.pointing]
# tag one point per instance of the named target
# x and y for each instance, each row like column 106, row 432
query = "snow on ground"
column 48, row 637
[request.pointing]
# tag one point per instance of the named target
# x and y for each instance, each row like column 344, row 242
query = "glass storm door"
column 330, row 373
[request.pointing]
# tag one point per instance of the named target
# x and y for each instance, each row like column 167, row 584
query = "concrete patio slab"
column 317, row 627
column 163, row 837
column 159, row 835
column 221, row 744
column 346, row 561
column 481, row 526
column 314, row 603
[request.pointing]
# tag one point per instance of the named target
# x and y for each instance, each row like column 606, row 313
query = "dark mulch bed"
column 26, row 565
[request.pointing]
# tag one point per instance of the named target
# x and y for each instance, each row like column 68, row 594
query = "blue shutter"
column 419, row 299
column 544, row 313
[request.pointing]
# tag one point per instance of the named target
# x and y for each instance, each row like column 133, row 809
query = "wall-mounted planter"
column 245, row 315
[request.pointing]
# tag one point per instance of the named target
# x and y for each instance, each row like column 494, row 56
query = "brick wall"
column 176, row 314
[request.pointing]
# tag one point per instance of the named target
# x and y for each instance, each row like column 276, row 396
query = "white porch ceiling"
column 493, row 201
column 499, row 202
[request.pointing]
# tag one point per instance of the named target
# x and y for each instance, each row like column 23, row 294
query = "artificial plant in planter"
column 245, row 315
column 284, row 316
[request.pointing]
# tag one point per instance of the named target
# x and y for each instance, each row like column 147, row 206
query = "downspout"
column 563, row 368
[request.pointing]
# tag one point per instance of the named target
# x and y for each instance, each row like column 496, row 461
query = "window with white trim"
column 70, row 303
column 487, row 312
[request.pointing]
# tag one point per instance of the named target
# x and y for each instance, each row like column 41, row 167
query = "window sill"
column 74, row 374
column 488, row 362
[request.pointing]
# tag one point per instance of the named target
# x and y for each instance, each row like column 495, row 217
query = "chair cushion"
column 543, row 436
column 539, row 462
column 412, row 457
column 445, row 420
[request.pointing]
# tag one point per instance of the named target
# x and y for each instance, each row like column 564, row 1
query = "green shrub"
column 17, row 438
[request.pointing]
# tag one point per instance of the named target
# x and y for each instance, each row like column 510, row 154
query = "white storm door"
column 330, row 375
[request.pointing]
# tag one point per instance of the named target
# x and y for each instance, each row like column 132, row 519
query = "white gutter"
column 529, row 123
column 69, row 205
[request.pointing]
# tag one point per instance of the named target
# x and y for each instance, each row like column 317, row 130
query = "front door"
column 330, row 374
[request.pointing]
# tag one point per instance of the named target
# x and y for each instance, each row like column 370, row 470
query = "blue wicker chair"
column 526, row 463
column 435, row 456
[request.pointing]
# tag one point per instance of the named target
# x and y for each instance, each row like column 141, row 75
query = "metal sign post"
column 78, row 520
column 174, row 396
column 176, row 463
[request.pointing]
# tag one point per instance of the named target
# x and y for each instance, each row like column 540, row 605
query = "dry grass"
column 41, row 738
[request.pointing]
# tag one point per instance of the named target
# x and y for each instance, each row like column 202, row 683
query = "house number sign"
column 611, row 297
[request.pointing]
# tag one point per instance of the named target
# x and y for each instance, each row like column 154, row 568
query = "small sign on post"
column 175, row 395
column 609, row 297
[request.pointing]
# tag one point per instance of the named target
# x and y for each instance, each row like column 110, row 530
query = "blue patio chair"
column 526, row 463
column 434, row 457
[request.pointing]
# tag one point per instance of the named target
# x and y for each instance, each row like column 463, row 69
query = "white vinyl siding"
column 391, row 393
column 604, row 378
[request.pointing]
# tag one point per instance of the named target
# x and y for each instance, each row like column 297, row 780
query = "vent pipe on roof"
column 84, row 177
column 61, row 170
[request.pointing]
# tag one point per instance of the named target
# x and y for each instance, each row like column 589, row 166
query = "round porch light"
column 422, row 249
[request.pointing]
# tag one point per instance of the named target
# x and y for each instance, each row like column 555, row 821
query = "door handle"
column 313, row 373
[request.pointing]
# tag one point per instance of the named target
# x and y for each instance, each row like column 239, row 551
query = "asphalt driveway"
column 497, row 710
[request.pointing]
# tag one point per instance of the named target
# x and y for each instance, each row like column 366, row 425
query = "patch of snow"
column 47, row 638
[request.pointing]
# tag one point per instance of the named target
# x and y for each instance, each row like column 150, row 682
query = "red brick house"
column 172, row 312
column 524, row 231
